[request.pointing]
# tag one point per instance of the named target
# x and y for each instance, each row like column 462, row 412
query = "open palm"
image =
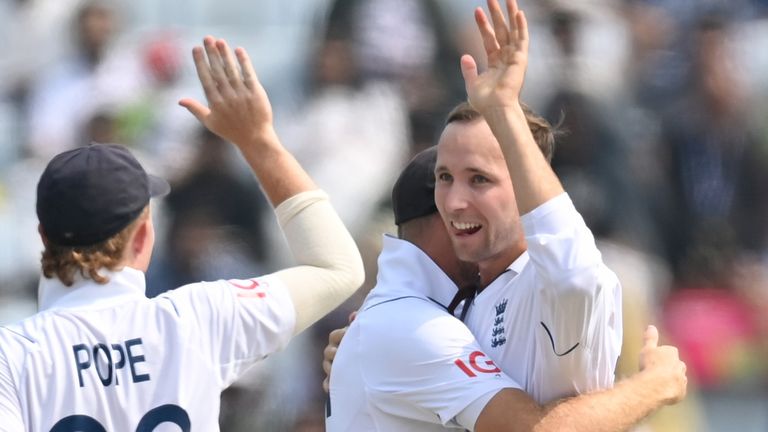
column 506, row 48
column 238, row 107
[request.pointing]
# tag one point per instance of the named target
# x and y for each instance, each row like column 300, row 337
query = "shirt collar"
column 404, row 269
column 123, row 285
column 511, row 271
column 517, row 265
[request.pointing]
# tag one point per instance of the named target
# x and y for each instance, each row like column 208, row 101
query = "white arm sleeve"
column 329, row 269
column 579, row 330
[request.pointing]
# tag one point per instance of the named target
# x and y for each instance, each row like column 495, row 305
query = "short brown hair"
column 63, row 262
column 543, row 132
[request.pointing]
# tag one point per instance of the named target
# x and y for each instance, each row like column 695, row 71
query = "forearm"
column 329, row 267
column 534, row 181
column 617, row 409
column 661, row 382
column 279, row 174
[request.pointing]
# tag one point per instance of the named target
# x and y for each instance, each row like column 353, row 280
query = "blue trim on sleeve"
column 552, row 340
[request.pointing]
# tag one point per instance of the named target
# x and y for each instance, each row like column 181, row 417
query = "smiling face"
column 428, row 234
column 475, row 198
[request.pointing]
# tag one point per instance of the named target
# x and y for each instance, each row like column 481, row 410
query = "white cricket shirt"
column 106, row 358
column 406, row 364
column 552, row 321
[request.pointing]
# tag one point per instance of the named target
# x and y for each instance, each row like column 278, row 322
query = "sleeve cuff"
column 468, row 416
column 285, row 309
column 295, row 204
column 551, row 217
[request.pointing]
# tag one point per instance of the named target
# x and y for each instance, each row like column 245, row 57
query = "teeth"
column 464, row 225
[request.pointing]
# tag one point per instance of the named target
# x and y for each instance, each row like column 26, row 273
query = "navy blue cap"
column 91, row 193
column 413, row 195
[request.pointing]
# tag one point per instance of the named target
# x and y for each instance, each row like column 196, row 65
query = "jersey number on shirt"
column 489, row 367
column 153, row 418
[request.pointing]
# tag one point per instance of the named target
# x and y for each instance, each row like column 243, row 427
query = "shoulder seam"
column 396, row 299
column 18, row 334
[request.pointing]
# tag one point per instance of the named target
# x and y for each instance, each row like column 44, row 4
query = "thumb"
column 651, row 337
column 468, row 69
column 197, row 109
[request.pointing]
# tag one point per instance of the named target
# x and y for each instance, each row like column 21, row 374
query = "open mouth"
column 465, row 228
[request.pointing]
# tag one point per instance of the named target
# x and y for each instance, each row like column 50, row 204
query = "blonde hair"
column 63, row 262
column 543, row 132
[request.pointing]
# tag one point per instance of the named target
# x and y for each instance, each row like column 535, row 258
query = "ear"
column 43, row 237
column 140, row 236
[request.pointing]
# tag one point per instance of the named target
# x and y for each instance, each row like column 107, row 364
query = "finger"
column 499, row 23
column 468, row 69
column 326, row 385
column 231, row 69
column 651, row 337
column 330, row 352
column 204, row 74
column 197, row 109
column 522, row 30
column 215, row 62
column 249, row 75
column 490, row 43
column 352, row 316
column 512, row 10
column 327, row 366
column 335, row 337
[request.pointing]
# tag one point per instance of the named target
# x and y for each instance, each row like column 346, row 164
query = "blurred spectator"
column 150, row 120
column 101, row 128
column 351, row 134
column 591, row 163
column 655, row 70
column 91, row 79
column 589, row 158
column 714, row 225
column 661, row 30
column 408, row 43
column 717, row 171
column 26, row 27
column 161, row 62
column 215, row 225
column 654, row 73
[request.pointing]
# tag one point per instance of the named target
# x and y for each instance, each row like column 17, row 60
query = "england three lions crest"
column 498, row 331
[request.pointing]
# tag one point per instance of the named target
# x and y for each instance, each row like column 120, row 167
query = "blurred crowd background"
column 662, row 104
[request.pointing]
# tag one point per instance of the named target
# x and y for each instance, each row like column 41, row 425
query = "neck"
column 493, row 267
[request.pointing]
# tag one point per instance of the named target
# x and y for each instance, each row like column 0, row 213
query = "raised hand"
column 664, row 362
column 506, row 48
column 238, row 107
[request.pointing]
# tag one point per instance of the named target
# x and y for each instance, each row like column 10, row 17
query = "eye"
column 444, row 177
column 479, row 179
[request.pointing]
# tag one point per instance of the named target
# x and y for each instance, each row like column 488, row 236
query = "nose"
column 454, row 198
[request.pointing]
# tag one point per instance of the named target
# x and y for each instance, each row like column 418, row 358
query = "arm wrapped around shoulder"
column 329, row 267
